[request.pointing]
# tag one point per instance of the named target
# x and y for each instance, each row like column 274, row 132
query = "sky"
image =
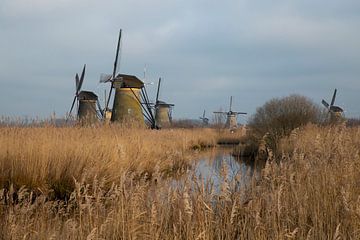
column 204, row 51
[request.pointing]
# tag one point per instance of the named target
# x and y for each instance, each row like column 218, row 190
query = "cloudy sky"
column 205, row 51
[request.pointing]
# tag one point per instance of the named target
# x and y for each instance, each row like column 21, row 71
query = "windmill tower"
column 205, row 120
column 336, row 112
column 131, row 103
column 231, row 117
column 127, row 106
column 163, row 111
column 86, row 102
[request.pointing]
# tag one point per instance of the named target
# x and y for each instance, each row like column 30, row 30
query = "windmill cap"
column 129, row 81
column 87, row 95
column 336, row 109
column 162, row 103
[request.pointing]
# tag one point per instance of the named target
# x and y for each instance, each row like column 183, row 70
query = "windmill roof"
column 87, row 95
column 162, row 103
column 129, row 81
column 336, row 109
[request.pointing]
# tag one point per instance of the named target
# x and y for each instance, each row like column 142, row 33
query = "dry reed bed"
column 313, row 193
column 50, row 158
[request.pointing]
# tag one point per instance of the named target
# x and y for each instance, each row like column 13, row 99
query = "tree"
column 279, row 116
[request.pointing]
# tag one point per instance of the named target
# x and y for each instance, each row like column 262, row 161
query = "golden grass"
column 50, row 158
column 312, row 193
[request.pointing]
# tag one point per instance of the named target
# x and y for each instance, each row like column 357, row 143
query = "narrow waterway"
column 218, row 165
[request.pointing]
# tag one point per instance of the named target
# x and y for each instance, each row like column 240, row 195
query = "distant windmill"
column 335, row 111
column 204, row 119
column 163, row 111
column 231, row 117
column 131, row 102
column 86, row 102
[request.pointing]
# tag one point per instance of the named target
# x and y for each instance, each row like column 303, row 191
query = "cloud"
column 204, row 50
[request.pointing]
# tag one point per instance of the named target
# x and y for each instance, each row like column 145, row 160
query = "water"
column 218, row 165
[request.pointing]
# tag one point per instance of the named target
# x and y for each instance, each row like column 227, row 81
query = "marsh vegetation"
column 115, row 183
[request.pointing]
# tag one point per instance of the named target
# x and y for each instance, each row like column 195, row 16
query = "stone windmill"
column 336, row 112
column 86, row 102
column 231, row 117
column 163, row 111
column 205, row 120
column 131, row 102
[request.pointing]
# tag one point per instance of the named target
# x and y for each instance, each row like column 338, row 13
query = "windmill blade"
column 220, row 112
column 325, row 103
column 116, row 63
column 333, row 98
column 204, row 114
column 81, row 79
column 230, row 103
column 99, row 107
column 158, row 91
column 243, row 113
column 105, row 100
column 115, row 68
column 77, row 82
column 72, row 105
column 104, row 78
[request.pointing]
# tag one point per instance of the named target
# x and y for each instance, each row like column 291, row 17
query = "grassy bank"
column 312, row 193
column 49, row 159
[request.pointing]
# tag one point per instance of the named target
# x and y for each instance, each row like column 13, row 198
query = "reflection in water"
column 218, row 165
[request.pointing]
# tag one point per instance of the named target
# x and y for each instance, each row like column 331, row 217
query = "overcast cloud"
column 205, row 51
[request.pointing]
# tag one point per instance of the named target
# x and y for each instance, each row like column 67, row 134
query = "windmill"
column 163, row 111
column 335, row 111
column 204, row 119
column 131, row 102
column 86, row 102
column 231, row 117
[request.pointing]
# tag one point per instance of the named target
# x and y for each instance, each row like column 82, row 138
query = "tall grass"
column 312, row 193
column 49, row 158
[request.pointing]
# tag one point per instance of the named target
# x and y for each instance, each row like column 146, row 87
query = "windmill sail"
column 242, row 113
column 78, row 85
column 104, row 78
column 333, row 98
column 325, row 103
column 115, row 69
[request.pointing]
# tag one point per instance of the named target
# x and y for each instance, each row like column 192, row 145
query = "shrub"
column 280, row 116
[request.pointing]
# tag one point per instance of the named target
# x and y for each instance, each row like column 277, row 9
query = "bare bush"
column 279, row 116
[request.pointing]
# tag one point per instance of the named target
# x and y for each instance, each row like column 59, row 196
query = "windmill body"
column 87, row 112
column 163, row 114
column 231, row 117
column 231, row 120
column 163, row 111
column 127, row 105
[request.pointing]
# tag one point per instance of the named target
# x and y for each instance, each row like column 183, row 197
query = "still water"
column 218, row 165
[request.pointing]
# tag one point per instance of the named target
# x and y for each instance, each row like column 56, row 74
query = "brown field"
column 110, row 183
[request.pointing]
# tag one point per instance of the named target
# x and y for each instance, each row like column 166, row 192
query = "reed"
column 311, row 193
column 49, row 158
